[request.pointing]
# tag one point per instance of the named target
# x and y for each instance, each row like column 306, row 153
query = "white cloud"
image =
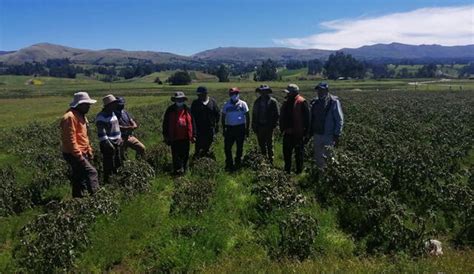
column 446, row 26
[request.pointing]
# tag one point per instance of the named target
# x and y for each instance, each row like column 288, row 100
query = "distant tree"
column 267, row 71
column 315, row 66
column 180, row 78
column 296, row 64
column 380, row 71
column 427, row 71
column 158, row 81
column 223, row 73
column 467, row 71
column 342, row 65
column 404, row 73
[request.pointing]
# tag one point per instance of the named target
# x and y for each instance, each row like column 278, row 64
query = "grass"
column 145, row 237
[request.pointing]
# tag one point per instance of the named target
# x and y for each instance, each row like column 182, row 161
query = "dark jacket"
column 272, row 113
column 206, row 117
column 170, row 124
column 295, row 117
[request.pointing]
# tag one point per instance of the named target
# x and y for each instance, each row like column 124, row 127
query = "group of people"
column 298, row 120
column 115, row 133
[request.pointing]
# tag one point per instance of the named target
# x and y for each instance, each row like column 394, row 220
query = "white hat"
column 81, row 98
column 109, row 99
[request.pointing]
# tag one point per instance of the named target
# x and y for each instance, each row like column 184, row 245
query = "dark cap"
column 201, row 89
column 121, row 101
column 322, row 85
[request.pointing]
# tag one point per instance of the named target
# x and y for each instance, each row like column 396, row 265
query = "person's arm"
column 69, row 137
column 217, row 115
column 254, row 116
column 338, row 121
column 165, row 126
column 276, row 113
column 282, row 117
column 247, row 124
column 223, row 114
column 193, row 124
column 103, row 138
column 306, row 118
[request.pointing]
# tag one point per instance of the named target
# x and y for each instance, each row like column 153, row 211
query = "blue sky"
column 187, row 27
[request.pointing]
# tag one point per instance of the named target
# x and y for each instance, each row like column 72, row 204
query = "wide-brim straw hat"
column 81, row 98
column 109, row 99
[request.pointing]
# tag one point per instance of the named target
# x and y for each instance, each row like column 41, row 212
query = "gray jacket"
column 334, row 120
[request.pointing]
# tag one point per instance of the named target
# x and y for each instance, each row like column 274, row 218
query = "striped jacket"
column 108, row 127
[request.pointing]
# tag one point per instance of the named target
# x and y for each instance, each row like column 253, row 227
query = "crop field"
column 403, row 173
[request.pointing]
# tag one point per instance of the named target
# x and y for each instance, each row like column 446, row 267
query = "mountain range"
column 394, row 51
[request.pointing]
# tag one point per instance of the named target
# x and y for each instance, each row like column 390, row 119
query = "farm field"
column 403, row 173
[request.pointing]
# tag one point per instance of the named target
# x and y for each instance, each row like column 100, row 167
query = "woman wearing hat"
column 108, row 131
column 75, row 145
column 179, row 131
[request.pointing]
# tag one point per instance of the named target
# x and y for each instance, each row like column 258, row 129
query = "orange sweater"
column 74, row 136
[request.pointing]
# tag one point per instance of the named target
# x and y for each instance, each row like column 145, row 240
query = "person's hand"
column 90, row 155
column 336, row 140
column 120, row 142
column 193, row 140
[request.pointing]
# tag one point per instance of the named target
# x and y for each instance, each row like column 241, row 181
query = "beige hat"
column 292, row 88
column 81, row 98
column 109, row 99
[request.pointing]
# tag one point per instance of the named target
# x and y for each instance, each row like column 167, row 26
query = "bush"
column 158, row 156
column 133, row 177
column 52, row 241
column 192, row 196
column 298, row 235
column 180, row 78
column 205, row 167
column 13, row 198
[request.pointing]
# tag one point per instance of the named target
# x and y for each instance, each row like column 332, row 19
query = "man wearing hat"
column 206, row 115
column 327, row 120
column 127, row 125
column 235, row 124
column 75, row 145
column 294, row 124
column 179, row 131
column 108, row 131
column 265, row 116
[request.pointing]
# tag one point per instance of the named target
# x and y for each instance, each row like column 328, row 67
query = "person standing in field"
column 294, row 124
column 265, row 117
column 179, row 131
column 206, row 115
column 235, row 124
column 108, row 131
column 327, row 121
column 127, row 125
column 76, row 147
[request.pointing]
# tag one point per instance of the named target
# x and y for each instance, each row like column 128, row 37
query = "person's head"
column 234, row 94
column 322, row 89
column 179, row 99
column 292, row 90
column 264, row 90
column 202, row 93
column 120, row 103
column 82, row 102
column 110, row 103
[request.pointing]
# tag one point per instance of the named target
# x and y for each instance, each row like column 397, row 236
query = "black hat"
column 264, row 88
column 201, row 89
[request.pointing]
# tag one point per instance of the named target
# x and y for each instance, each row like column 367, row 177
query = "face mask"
column 179, row 104
column 234, row 97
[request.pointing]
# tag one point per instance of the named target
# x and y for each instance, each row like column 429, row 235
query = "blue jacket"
column 334, row 120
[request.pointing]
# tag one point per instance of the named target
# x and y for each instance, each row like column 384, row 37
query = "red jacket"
column 178, row 124
column 295, row 116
